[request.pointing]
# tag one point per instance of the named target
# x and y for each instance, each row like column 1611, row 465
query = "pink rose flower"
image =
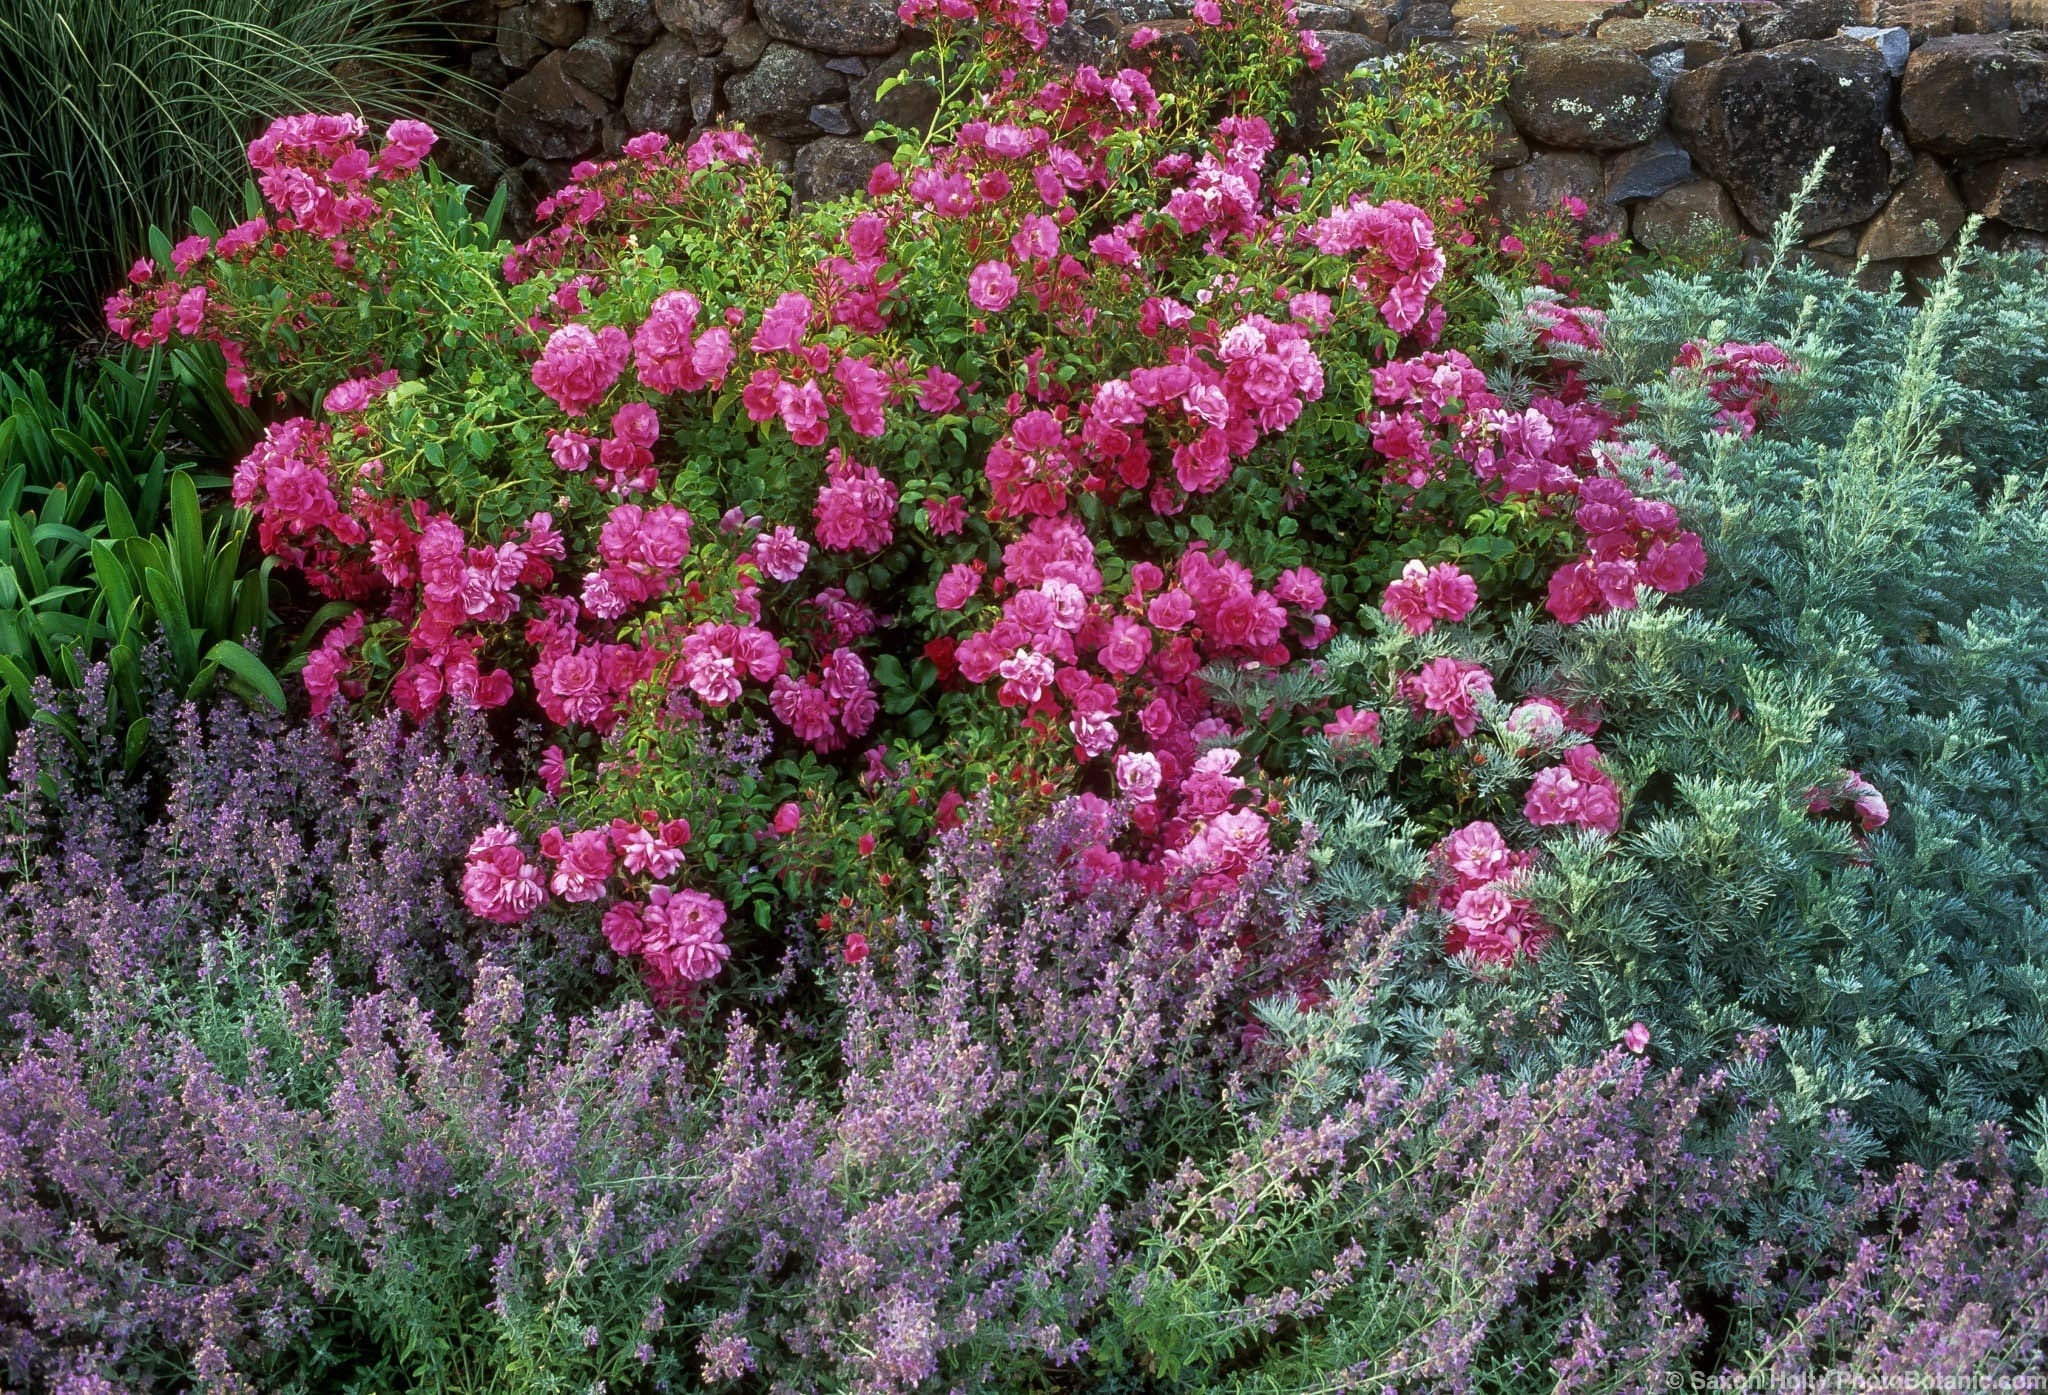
column 992, row 286
column 1138, row 774
column 1127, row 646
column 1453, row 688
column 578, row 366
column 498, row 883
column 957, row 586
column 682, row 940
column 782, row 554
column 1423, row 595
column 945, row 517
column 1350, row 727
column 583, row 862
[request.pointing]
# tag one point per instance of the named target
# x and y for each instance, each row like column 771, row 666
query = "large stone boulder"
column 519, row 48
column 833, row 26
column 1647, row 170
column 2015, row 192
column 672, row 89
column 1668, row 44
column 600, row 63
column 1720, row 20
column 1375, row 18
column 549, row 115
column 1789, row 21
column 630, row 22
column 1585, row 95
column 1529, row 19
column 1922, row 218
column 557, row 23
column 1539, row 187
column 1424, row 21
column 775, row 97
column 910, row 105
column 745, row 47
column 832, row 167
column 1894, row 44
column 1976, row 96
column 706, row 23
column 1687, row 216
column 1757, row 122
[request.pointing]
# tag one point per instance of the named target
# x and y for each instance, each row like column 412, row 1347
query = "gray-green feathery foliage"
column 1876, row 600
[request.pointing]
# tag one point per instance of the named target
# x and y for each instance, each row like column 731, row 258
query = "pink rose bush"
column 990, row 467
column 1742, row 380
column 1476, row 884
column 1421, row 596
column 1578, row 792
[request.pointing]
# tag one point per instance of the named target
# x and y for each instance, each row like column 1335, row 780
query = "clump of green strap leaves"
column 104, row 544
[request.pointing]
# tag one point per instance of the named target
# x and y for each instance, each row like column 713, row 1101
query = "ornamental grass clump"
column 118, row 118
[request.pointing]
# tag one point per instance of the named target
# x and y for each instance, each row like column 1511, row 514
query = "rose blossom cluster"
column 626, row 455
column 1423, row 595
column 1475, row 879
column 578, row 365
column 1740, row 378
column 855, row 291
column 1046, row 149
column 670, row 354
column 641, row 550
column 856, row 509
column 828, row 708
column 1434, row 409
column 675, row 934
column 1579, row 792
column 579, row 680
column 801, row 383
column 1452, row 688
column 1067, row 654
column 1630, row 542
column 716, row 660
column 1222, row 198
column 1398, row 264
column 1111, row 668
column 313, row 171
column 1439, row 409
column 448, row 595
column 1214, row 399
column 318, row 179
column 1029, row 20
column 499, row 882
column 652, row 176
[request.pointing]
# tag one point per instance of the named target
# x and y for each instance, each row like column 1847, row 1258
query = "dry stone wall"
column 1663, row 115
